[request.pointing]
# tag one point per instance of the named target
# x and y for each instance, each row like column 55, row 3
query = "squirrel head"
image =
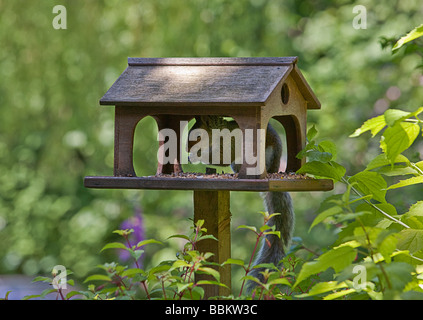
column 204, row 142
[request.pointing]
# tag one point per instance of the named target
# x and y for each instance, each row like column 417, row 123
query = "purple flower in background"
column 135, row 223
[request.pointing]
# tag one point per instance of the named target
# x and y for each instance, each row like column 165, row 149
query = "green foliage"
column 175, row 279
column 168, row 280
column 371, row 232
column 413, row 34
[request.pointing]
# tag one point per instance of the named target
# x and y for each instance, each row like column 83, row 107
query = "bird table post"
column 214, row 208
column 175, row 90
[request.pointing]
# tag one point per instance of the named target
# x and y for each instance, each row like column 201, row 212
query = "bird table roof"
column 204, row 81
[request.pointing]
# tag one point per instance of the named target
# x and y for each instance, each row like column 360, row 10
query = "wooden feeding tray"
column 175, row 90
column 196, row 181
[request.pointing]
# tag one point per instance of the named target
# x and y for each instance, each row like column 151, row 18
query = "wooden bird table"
column 174, row 91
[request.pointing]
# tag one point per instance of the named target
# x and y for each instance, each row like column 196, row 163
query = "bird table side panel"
column 125, row 122
column 288, row 106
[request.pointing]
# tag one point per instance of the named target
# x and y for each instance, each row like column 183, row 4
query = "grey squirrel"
column 273, row 250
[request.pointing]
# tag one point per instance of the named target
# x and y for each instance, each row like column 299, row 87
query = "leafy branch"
column 388, row 244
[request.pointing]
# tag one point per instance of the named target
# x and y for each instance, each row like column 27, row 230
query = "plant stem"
column 59, row 290
column 309, row 250
column 373, row 205
column 130, row 247
column 413, row 165
column 163, row 289
column 259, row 235
column 372, row 254
column 145, row 289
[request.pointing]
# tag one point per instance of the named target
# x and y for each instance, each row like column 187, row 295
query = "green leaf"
column 396, row 170
column 207, row 236
column 323, row 287
column 124, row 232
column 32, row 296
column 350, row 216
column 269, row 266
column 275, row 233
column 308, row 269
column 133, row 271
column 252, row 228
column 6, row 297
column 97, row 277
column 199, row 223
column 42, row 279
column 416, row 209
column 381, row 160
column 179, row 264
column 115, row 245
column 164, row 268
column 414, row 222
column 251, row 278
column 387, row 247
column 71, row 282
column 330, row 147
column 370, row 183
column 182, row 286
column 215, row 283
column 338, row 294
column 337, row 259
column 407, row 182
column 394, row 115
column 374, row 125
column 329, row 170
column 72, row 294
column 210, row 271
column 46, row 292
column 197, row 293
column 398, row 138
column 388, row 208
column 399, row 274
column 315, row 155
column 413, row 34
column 282, row 281
column 325, row 214
column 266, row 227
column 136, row 254
column 311, row 133
column 234, row 261
column 148, row 241
column 182, row 236
column 410, row 239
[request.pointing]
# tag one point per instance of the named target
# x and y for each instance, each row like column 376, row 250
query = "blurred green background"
column 53, row 132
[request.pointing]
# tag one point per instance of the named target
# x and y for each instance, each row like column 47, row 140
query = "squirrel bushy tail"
column 273, row 250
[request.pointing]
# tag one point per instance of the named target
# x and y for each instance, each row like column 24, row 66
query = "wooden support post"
column 214, row 208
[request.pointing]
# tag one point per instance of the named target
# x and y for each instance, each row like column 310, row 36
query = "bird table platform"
column 175, row 90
